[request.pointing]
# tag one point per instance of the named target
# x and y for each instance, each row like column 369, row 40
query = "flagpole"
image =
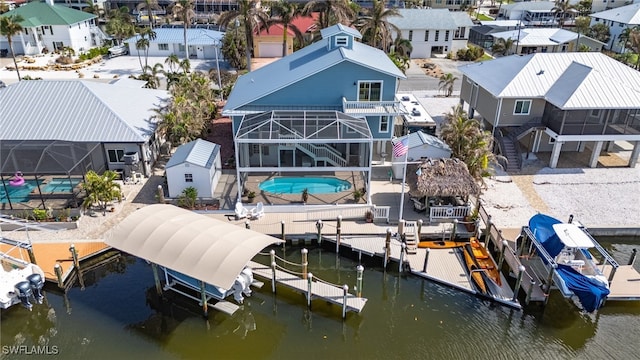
column 404, row 179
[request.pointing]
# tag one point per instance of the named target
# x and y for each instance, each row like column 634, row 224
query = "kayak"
column 481, row 265
column 439, row 244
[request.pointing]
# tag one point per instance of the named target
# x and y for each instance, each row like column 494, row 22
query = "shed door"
column 270, row 50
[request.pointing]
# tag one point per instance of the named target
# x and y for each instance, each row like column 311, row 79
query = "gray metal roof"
column 419, row 138
column 425, row 19
column 576, row 80
column 176, row 36
column 629, row 14
column 198, row 152
column 303, row 63
column 530, row 5
column 538, row 36
column 340, row 29
column 77, row 111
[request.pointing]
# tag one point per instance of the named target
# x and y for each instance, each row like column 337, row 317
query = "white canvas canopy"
column 572, row 236
column 196, row 245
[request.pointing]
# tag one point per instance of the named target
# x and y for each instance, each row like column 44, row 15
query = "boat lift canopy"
column 196, row 245
column 572, row 236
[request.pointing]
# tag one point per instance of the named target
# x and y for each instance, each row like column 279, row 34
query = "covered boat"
column 577, row 272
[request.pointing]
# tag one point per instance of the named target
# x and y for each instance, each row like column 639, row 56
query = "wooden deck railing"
column 437, row 213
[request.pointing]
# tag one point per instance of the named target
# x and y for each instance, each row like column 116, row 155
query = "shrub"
column 472, row 53
column 188, row 198
column 40, row 214
column 94, row 52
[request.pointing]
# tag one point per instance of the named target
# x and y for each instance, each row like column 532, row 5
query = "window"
column 51, row 29
column 384, row 124
column 115, row 156
column 188, row 178
column 370, row 91
column 522, row 107
column 410, row 35
column 446, row 35
column 426, row 35
column 437, row 35
column 620, row 24
column 341, row 41
column 163, row 47
column 181, row 47
column 265, row 150
column 460, row 32
column 595, row 112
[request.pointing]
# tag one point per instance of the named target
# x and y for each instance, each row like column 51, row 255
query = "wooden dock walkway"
column 319, row 290
column 47, row 255
column 625, row 285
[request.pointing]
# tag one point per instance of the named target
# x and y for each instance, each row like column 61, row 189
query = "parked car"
column 118, row 50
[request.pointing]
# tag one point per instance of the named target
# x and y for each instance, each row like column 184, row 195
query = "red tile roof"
column 304, row 23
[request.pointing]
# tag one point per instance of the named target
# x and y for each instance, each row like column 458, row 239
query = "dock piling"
column 282, row 232
column 419, row 228
column 203, row 293
column 387, row 247
column 156, row 278
column 247, row 225
column 74, row 256
column 319, row 227
column 273, row 277
column 58, row 270
column 32, row 256
column 521, row 270
column 309, row 282
column 632, row 259
column 338, row 230
column 426, row 259
column 487, row 231
column 305, row 262
column 359, row 276
column 505, row 246
column 403, row 248
column 454, row 229
column 531, row 285
column 345, row 292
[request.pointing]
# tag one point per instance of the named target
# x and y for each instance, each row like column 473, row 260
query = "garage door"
column 270, row 49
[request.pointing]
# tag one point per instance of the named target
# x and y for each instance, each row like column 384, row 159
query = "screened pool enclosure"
column 296, row 142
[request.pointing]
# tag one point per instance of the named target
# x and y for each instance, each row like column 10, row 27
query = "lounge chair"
column 257, row 211
column 418, row 204
column 241, row 211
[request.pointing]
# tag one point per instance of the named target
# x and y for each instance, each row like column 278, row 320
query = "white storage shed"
column 195, row 164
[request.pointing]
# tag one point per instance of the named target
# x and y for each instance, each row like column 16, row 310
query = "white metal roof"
column 419, row 138
column 502, row 23
column 607, row 85
column 198, row 152
column 530, row 6
column 196, row 245
column 77, row 111
column 573, row 236
column 629, row 14
column 538, row 36
column 176, row 36
column 303, row 63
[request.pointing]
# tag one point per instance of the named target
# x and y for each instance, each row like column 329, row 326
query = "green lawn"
column 485, row 57
column 483, row 17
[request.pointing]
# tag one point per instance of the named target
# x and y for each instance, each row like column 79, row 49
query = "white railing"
column 381, row 212
column 448, row 212
column 323, row 153
column 372, row 107
column 331, row 213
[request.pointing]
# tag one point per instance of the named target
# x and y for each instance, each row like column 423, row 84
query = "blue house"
column 325, row 108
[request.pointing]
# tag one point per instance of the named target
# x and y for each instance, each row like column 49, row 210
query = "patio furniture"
column 241, row 211
column 418, row 204
column 257, row 211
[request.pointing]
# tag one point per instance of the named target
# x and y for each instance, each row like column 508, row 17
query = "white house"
column 433, row 31
column 532, row 40
column 202, row 43
column 195, row 164
column 421, row 146
column 618, row 20
column 49, row 27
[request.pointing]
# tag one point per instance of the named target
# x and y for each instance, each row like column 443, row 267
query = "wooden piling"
column 309, row 282
column 426, row 259
column 305, row 262
column 403, row 248
column 156, row 278
column 345, row 292
column 387, row 247
column 359, row 276
column 58, row 270
column 319, row 227
column 203, row 293
column 632, row 259
column 273, row 277
column 521, row 270
column 419, row 229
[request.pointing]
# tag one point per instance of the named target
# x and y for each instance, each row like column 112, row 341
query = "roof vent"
column 540, row 72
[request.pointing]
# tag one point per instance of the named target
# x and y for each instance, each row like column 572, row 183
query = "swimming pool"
column 60, row 185
column 295, row 185
column 17, row 194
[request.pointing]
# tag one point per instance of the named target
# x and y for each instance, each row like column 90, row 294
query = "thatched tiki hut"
column 443, row 183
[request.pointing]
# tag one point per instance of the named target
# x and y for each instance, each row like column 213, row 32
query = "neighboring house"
column 79, row 4
column 482, row 35
column 433, row 31
column 618, row 20
column 421, row 146
column 49, row 27
column 195, row 164
column 268, row 43
column 532, row 40
column 202, row 43
column 531, row 13
column 327, row 107
column 67, row 127
column 557, row 101
column 449, row 4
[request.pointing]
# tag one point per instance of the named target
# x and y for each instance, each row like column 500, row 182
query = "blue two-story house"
column 326, row 108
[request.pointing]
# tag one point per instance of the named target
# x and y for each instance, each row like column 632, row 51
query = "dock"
column 319, row 289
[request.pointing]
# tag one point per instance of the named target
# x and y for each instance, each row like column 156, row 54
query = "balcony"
column 372, row 108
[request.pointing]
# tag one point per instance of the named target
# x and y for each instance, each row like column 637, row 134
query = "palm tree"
column 402, row 46
column 285, row 12
column 119, row 25
column 331, row 12
column 93, row 8
column 249, row 14
column 149, row 6
column 446, row 83
column 375, row 27
column 502, row 46
column 152, row 76
column 469, row 143
column 9, row 27
column 101, row 189
column 633, row 43
column 146, row 34
column 183, row 9
column 562, row 10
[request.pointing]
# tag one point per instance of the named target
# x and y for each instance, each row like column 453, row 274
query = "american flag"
column 400, row 148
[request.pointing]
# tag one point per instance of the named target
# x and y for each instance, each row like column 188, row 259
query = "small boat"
column 20, row 282
column 440, row 244
column 577, row 272
column 481, row 266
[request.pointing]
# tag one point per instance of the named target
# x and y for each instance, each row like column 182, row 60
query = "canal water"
column 116, row 316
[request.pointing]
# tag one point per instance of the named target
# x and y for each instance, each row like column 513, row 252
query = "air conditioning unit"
column 131, row 158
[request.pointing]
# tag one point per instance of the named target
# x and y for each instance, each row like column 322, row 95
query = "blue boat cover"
column 542, row 228
column 590, row 292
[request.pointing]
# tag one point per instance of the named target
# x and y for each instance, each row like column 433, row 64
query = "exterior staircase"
column 322, row 153
column 509, row 144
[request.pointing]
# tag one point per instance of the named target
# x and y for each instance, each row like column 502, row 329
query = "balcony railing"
column 390, row 108
column 448, row 212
